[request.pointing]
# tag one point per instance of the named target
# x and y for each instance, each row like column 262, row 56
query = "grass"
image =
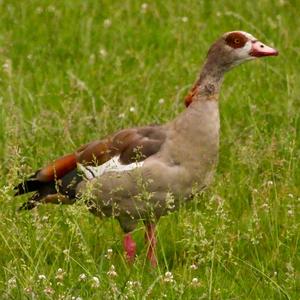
column 71, row 71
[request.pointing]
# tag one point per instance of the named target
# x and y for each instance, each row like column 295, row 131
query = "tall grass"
column 74, row 71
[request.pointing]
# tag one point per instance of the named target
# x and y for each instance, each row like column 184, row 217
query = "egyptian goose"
column 142, row 173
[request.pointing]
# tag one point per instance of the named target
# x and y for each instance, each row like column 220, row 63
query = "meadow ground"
column 74, row 71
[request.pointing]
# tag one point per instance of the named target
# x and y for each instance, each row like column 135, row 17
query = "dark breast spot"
column 236, row 40
column 210, row 88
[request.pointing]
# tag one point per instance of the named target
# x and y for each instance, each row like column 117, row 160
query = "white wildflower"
column 195, row 281
column 121, row 116
column 92, row 59
column 107, row 23
column 103, row 52
column 184, row 19
column 28, row 290
column 39, row 10
column 7, row 67
column 49, row 290
column 51, row 9
column 95, row 282
column 60, row 274
column 82, row 277
column 144, row 8
column 161, row 101
column 170, row 201
column 266, row 207
column 109, row 253
column 168, row 277
column 270, row 183
column 12, row 282
column 42, row 277
column 132, row 109
column 193, row 267
column 112, row 271
column 45, row 218
column 289, row 267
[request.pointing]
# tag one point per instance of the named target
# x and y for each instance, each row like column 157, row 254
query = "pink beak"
column 259, row 49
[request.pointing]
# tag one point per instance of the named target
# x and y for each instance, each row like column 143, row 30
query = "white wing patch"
column 112, row 165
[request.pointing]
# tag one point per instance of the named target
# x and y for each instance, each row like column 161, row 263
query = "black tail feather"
column 27, row 186
column 65, row 186
column 31, row 203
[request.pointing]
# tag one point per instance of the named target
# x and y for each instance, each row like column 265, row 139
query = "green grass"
column 66, row 78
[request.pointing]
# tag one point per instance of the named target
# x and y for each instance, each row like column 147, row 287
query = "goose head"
column 236, row 47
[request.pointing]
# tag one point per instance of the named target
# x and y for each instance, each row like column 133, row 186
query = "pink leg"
column 151, row 239
column 130, row 247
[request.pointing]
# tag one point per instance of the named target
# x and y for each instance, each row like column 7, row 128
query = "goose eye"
column 236, row 41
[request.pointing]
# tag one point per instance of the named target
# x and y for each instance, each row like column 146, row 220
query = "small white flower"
column 82, row 277
column 12, row 282
column 109, row 253
column 291, row 195
column 193, row 267
column 39, row 10
column 161, row 101
column 195, row 281
column 103, row 52
column 51, row 8
column 132, row 109
column 184, row 19
column 95, row 282
column 270, row 183
column 112, row 271
column 290, row 212
column 289, row 267
column 107, row 23
column 7, row 67
column 92, row 59
column 42, row 277
column 60, row 274
column 49, row 290
column 66, row 252
column 28, row 290
column 130, row 283
column 168, row 277
column 144, row 8
column 121, row 116
column 265, row 206
column 45, row 218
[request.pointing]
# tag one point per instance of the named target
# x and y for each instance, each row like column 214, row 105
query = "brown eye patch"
column 236, row 40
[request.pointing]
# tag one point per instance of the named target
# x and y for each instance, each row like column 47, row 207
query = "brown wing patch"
column 96, row 153
column 236, row 40
column 131, row 145
column 139, row 144
column 58, row 168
